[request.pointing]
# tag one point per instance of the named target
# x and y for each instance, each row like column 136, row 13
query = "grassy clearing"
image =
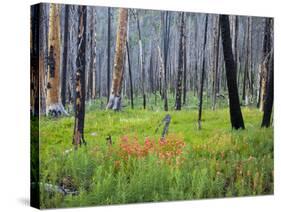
column 214, row 162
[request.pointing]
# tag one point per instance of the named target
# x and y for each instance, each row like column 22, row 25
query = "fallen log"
column 166, row 121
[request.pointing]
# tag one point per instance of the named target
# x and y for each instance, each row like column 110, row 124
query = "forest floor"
column 140, row 167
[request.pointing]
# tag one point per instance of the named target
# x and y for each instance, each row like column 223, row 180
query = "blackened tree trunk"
column 166, row 18
column 108, row 52
column 230, row 66
column 34, row 59
column 130, row 76
column 114, row 102
column 202, row 76
column 180, row 67
column 184, row 69
column 265, row 63
column 268, row 103
column 65, row 56
column 78, row 135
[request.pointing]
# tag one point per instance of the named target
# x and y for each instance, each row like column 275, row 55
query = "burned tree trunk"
column 34, row 60
column 230, row 67
column 108, row 52
column 130, row 76
column 265, row 63
column 53, row 102
column 65, row 56
column 78, row 135
column 115, row 96
column 202, row 76
column 184, row 68
column 166, row 121
column 166, row 19
column 180, row 66
column 268, row 102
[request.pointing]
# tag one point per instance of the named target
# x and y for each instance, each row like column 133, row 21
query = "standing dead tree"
column 268, row 99
column 202, row 76
column 80, row 93
column 65, row 56
column 265, row 64
column 114, row 102
column 130, row 75
column 216, row 53
column 236, row 117
column 108, row 51
column 141, row 58
column 166, row 22
column 54, row 106
column 180, row 66
column 91, row 90
column 34, row 59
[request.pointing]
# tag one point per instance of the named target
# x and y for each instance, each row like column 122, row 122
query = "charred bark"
column 268, row 63
column 230, row 66
column 34, row 60
column 130, row 76
column 202, row 76
column 108, row 52
column 65, row 57
column 78, row 135
column 180, row 66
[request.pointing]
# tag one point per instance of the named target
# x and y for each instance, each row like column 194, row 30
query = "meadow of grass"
column 140, row 167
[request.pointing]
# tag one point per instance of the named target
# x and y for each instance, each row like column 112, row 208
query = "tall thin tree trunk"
column 130, row 76
column 115, row 96
column 216, row 60
column 35, row 59
column 53, row 102
column 141, row 61
column 78, row 135
column 184, row 68
column 268, row 103
column 93, row 62
column 202, row 76
column 265, row 63
column 180, row 66
column 268, row 65
column 65, row 57
column 108, row 52
column 234, row 105
column 166, row 23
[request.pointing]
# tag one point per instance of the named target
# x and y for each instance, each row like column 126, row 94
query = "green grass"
column 216, row 161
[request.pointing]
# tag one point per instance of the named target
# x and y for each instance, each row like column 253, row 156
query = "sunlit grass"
column 217, row 161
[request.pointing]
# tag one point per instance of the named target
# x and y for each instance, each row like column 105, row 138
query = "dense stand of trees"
column 87, row 53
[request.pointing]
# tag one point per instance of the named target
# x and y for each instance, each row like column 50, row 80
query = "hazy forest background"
column 135, row 105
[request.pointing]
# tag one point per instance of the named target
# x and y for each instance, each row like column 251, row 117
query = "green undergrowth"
column 213, row 162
